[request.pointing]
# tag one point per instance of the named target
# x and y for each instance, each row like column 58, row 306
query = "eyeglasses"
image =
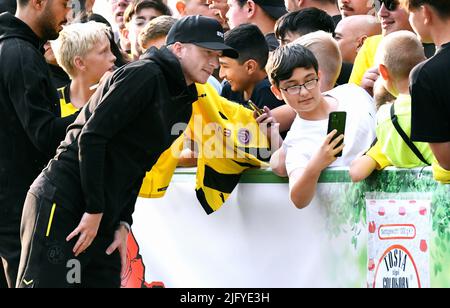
column 391, row 5
column 294, row 90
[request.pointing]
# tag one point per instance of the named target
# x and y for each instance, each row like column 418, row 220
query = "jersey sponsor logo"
column 244, row 136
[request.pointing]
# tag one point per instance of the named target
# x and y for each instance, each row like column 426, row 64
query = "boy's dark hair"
column 284, row 60
column 442, row 7
column 303, row 22
column 249, row 42
column 137, row 5
column 241, row 3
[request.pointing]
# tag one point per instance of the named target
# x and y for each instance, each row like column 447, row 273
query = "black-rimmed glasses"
column 294, row 90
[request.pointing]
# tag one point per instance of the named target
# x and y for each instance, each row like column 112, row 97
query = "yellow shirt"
column 440, row 174
column 228, row 139
column 390, row 149
column 365, row 59
column 67, row 108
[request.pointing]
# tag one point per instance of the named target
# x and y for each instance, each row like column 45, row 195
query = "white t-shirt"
column 305, row 137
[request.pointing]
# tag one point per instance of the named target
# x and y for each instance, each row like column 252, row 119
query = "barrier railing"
column 259, row 239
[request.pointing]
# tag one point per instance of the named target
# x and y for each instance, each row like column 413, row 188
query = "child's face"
column 137, row 23
column 309, row 97
column 99, row 60
column 236, row 74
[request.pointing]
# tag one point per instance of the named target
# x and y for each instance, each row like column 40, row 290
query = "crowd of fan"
column 386, row 63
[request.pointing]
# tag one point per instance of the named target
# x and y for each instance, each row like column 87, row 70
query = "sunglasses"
column 390, row 5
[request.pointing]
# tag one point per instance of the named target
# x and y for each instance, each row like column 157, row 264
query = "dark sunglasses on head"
column 391, row 5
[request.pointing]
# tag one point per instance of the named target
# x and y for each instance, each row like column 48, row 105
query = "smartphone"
column 336, row 120
column 258, row 110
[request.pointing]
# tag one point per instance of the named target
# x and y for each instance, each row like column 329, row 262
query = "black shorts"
column 47, row 259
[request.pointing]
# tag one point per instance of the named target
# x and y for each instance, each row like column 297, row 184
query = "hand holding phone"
column 336, row 121
column 255, row 108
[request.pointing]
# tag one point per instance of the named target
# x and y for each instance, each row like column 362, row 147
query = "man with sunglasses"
column 430, row 81
column 393, row 18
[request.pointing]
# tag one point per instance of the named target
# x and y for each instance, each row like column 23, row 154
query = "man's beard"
column 49, row 33
column 48, row 27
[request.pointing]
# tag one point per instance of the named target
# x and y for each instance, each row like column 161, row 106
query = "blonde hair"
column 77, row 40
column 400, row 52
column 327, row 52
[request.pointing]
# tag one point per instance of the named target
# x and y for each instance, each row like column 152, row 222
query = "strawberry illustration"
column 371, row 265
column 423, row 245
column 423, row 211
column 372, row 227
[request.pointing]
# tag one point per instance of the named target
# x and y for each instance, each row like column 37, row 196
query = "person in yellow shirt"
column 393, row 18
column 399, row 52
column 83, row 51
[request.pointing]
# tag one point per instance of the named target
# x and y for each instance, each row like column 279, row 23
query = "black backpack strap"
column 405, row 137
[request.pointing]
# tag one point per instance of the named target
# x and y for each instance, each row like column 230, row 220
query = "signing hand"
column 87, row 229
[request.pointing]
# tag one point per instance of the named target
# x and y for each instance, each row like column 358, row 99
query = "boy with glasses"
column 294, row 74
column 430, row 81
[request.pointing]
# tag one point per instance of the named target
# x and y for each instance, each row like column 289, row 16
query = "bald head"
column 351, row 32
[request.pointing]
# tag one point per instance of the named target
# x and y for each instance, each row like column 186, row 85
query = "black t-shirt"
column 430, row 107
column 59, row 76
column 346, row 71
column 429, row 49
column 261, row 96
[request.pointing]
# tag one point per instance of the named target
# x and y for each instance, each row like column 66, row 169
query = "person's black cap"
column 273, row 8
column 202, row 31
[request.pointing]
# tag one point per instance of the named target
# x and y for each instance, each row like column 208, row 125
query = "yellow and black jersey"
column 229, row 142
column 65, row 103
